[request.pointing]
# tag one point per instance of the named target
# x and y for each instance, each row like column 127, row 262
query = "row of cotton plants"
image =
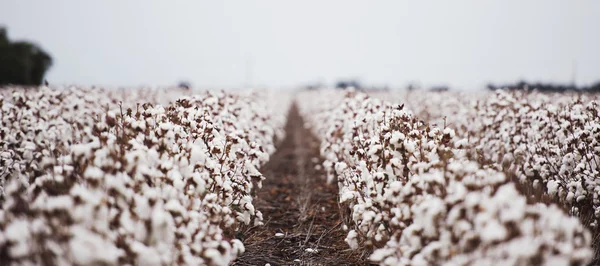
column 549, row 140
column 417, row 198
column 95, row 176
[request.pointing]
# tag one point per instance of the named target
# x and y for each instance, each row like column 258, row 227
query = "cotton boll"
column 352, row 239
column 410, row 146
column 93, row 173
column 552, row 187
column 18, row 233
column 90, row 248
column 397, row 137
column 146, row 255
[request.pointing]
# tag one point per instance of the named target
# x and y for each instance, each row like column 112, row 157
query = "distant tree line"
column 356, row 84
column 545, row 87
column 21, row 62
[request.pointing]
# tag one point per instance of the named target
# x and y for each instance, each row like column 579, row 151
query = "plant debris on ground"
column 303, row 220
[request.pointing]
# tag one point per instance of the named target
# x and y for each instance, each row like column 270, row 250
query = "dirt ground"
column 297, row 202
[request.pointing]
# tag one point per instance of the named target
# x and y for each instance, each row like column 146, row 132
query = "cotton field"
column 549, row 140
column 93, row 176
column 440, row 193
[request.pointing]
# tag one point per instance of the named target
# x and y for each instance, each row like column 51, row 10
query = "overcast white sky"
column 464, row 44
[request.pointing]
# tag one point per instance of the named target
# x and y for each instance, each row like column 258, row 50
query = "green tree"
column 22, row 63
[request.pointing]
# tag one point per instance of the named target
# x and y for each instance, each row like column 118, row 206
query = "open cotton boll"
column 18, row 232
column 552, row 187
column 90, row 248
column 352, row 239
column 93, row 173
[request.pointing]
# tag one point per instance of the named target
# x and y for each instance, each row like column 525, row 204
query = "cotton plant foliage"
column 418, row 196
column 139, row 176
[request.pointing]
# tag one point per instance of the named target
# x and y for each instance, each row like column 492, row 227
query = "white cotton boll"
column 410, row 146
column 382, row 253
column 340, row 167
column 426, row 213
column 85, row 194
column 397, row 137
column 89, row 248
column 28, row 155
column 58, row 170
column 170, row 135
column 211, row 164
column 327, row 164
column 244, row 217
column 347, row 196
column 311, row 250
column 493, row 231
column 395, row 162
column 166, row 126
column 258, row 219
column 126, row 222
column 68, row 169
column 238, row 246
column 529, row 171
column 215, row 257
column 162, row 226
column 93, row 172
column 517, row 139
column 200, row 182
column 374, row 149
column 249, row 205
column 28, row 145
column 80, row 150
column 18, row 233
column 145, row 255
column 508, row 159
column 227, row 186
column 552, row 186
column 197, row 155
column 352, row 239
column 450, row 132
column 174, row 206
column 62, row 202
column 570, row 196
column 5, row 154
column 461, row 143
column 177, row 179
column 387, row 135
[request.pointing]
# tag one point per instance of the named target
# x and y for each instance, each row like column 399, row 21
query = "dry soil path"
column 297, row 203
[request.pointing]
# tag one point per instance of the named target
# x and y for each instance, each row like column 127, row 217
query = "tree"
column 344, row 84
column 545, row 87
column 184, row 85
column 22, row 63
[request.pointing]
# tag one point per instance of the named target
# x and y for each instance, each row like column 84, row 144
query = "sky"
column 281, row 44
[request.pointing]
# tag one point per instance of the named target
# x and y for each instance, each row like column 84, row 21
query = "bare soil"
column 297, row 202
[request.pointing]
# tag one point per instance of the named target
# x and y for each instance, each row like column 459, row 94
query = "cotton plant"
column 96, row 176
column 418, row 196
